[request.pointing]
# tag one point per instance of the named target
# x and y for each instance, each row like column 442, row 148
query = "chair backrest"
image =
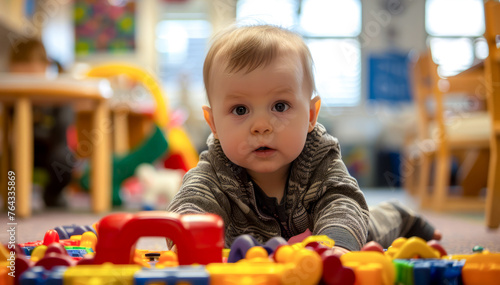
column 492, row 63
column 422, row 91
column 445, row 116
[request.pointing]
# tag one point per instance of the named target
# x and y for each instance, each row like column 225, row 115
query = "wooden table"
column 24, row 91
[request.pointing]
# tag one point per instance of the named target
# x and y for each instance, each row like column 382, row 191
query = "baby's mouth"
column 263, row 148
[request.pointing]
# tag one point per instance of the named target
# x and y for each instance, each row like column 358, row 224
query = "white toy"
column 158, row 184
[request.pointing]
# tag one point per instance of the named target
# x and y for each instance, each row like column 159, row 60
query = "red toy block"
column 199, row 238
column 51, row 236
column 53, row 259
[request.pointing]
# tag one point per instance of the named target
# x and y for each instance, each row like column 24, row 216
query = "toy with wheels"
column 168, row 139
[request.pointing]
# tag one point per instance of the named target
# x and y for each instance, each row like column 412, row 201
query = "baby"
column 270, row 168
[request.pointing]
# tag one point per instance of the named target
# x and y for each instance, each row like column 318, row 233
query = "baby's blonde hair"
column 250, row 47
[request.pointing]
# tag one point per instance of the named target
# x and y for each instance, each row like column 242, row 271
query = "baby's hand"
column 339, row 251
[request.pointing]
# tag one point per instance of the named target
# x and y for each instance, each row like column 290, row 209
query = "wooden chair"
column 492, row 69
column 440, row 136
column 416, row 152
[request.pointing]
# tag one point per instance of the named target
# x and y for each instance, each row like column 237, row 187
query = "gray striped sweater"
column 321, row 195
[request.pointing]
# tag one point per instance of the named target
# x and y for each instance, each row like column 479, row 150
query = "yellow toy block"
column 89, row 239
column 38, row 253
column 242, row 273
column 302, row 266
column 367, row 274
column 293, row 266
column 374, row 264
column 322, row 239
column 482, row 268
column 403, row 248
column 106, row 273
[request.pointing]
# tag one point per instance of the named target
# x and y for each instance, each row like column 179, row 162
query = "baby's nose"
column 262, row 125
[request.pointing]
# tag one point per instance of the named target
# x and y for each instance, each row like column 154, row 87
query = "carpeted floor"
column 461, row 232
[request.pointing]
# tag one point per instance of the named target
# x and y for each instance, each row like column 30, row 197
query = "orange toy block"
column 482, row 269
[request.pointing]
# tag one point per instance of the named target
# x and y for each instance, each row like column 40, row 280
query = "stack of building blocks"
column 111, row 258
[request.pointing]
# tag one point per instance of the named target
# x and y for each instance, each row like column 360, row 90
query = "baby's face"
column 262, row 117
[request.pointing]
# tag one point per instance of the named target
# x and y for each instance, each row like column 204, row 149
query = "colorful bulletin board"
column 104, row 26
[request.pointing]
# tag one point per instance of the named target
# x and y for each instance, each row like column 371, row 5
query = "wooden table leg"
column 23, row 155
column 5, row 163
column 100, row 175
column 493, row 192
column 120, row 142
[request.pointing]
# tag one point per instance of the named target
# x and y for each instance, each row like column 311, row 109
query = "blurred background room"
column 378, row 66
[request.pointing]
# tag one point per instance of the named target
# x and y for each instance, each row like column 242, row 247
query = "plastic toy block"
column 22, row 264
column 404, row 271
column 28, row 249
column 199, row 237
column 40, row 276
column 57, row 248
column 358, row 259
column 50, row 260
column 38, row 253
column 373, row 246
column 50, row 236
column 243, row 243
column 78, row 251
column 334, row 273
column 167, row 259
column 194, row 275
column 100, row 274
column 302, row 266
column 482, row 268
column 368, row 274
column 257, row 252
column 403, row 248
column 437, row 246
column 246, row 273
column 240, row 247
column 4, row 274
column 322, row 239
column 437, row 272
column 88, row 239
column 428, row 271
column 65, row 232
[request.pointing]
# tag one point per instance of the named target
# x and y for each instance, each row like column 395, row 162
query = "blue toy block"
column 28, row 249
column 65, row 232
column 38, row 275
column 429, row 271
column 194, row 275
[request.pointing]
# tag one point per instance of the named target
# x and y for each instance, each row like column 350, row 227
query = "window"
column 181, row 45
column 455, row 29
column 330, row 29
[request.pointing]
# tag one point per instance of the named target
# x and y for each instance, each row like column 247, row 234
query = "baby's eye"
column 281, row 107
column 240, row 110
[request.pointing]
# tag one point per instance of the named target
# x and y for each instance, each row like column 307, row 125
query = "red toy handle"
column 199, row 237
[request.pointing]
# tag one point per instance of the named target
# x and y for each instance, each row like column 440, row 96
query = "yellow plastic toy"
column 322, row 239
column 374, row 267
column 403, row 248
column 178, row 139
column 106, row 273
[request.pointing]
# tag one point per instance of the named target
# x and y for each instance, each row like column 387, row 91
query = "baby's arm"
column 341, row 213
column 196, row 196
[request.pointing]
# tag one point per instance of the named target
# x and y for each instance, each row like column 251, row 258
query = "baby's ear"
column 315, row 105
column 209, row 117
